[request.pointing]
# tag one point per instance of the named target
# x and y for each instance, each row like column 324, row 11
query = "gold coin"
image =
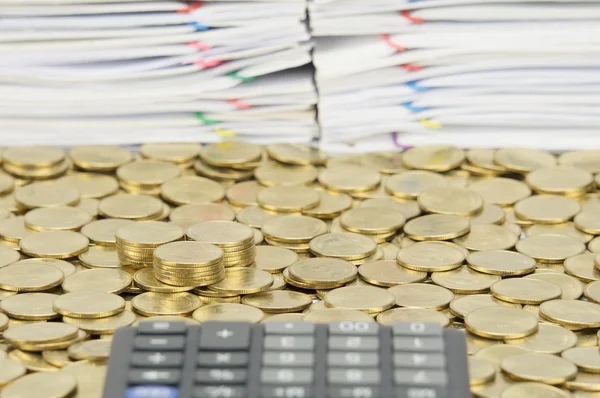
column 343, row 245
column 8, row 256
column 273, row 173
column 487, row 237
column 188, row 254
column 571, row 313
column 30, row 306
column 100, row 257
column 177, row 153
column 584, row 382
column 582, row 267
column 549, row 339
column 294, row 229
column 274, row 259
column 568, row 229
column 484, row 159
column 330, row 315
column 290, row 280
column 559, row 180
column 30, row 277
column 25, row 175
column 543, row 368
column 97, row 280
column 410, row 184
column 464, row 280
column 222, row 233
column 462, row 306
column 523, row 160
column 56, row 218
column 31, row 361
column 550, row 248
column 147, row 173
column 368, row 299
column 47, row 194
column 586, row 359
column 187, row 215
column 480, row 371
column 501, row 191
column 254, row 216
column 106, row 325
column 92, row 185
column 288, row 199
column 476, row 344
column 501, row 262
column 390, row 251
column 228, row 312
column 320, row 271
column 547, row 209
column 395, row 315
column 99, row 157
column 54, row 244
column 594, row 245
column 296, row 154
column 40, row 333
column 372, row 220
column 571, row 288
column 525, row 291
column 588, row 222
column 243, row 281
column 7, row 183
column 490, row 214
column 10, row 370
column 278, row 301
column 430, row 257
column 585, row 160
column 243, row 194
column 92, row 350
column 146, row 280
column 384, row 162
column 387, row 273
column 451, row 200
column 349, row 179
column 592, row 292
column 345, row 160
column 500, row 323
column 47, row 385
column 88, row 305
column 191, row 190
column 148, row 234
column 524, row 390
column 33, row 156
column 151, row 304
column 131, row 207
column 229, row 153
column 433, row 158
column 221, row 173
column 102, row 232
column 408, row 208
column 59, row 345
column 437, row 227
column 90, row 377
column 422, row 295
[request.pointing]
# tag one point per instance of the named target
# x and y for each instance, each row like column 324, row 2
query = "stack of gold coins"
column 379, row 223
column 35, row 162
column 136, row 242
column 146, row 176
column 235, row 239
column 293, row 232
column 347, row 246
column 229, row 161
column 320, row 273
column 188, row 264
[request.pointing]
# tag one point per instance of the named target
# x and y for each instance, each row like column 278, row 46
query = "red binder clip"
column 239, row 104
column 199, row 46
column 208, row 63
column 391, row 43
column 411, row 68
column 194, row 6
column 412, row 19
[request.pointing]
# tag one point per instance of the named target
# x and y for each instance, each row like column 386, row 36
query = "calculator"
column 287, row 360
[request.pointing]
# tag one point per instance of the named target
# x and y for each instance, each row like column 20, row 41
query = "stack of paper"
column 474, row 73
column 100, row 71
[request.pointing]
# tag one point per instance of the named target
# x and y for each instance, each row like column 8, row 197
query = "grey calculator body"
column 287, row 360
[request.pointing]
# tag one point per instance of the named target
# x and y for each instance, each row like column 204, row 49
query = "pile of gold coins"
column 502, row 244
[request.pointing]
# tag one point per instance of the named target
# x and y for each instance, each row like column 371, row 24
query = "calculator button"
column 354, row 376
column 354, row 392
column 219, row 392
column 222, row 359
column 283, row 343
column 419, row 360
column 154, row 376
column 289, row 328
column 159, row 343
column 157, row 360
column 429, row 344
column 353, row 359
column 225, row 335
column 162, row 328
column 288, row 358
column 417, row 329
column 152, row 392
column 358, row 343
column 286, row 392
column 226, row 376
column 354, row 328
column 286, row 376
column 433, row 378
column 420, row 392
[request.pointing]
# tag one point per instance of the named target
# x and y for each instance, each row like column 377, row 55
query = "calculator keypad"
column 287, row 360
